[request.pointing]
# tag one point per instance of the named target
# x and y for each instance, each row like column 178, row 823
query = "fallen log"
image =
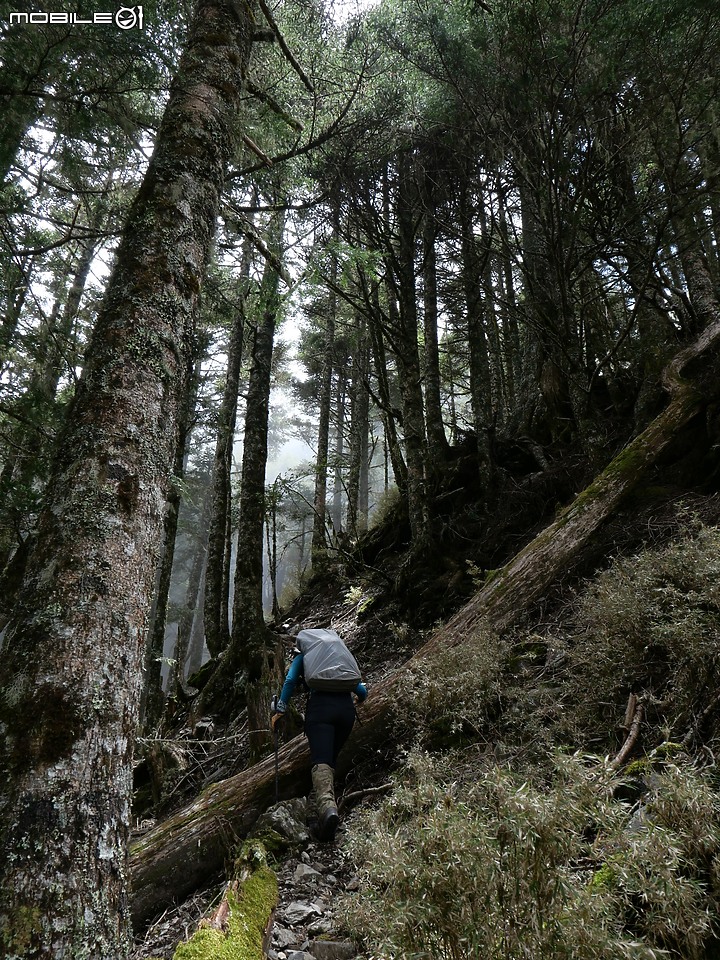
column 240, row 926
column 171, row 860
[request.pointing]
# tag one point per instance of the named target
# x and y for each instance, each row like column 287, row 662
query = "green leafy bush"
column 495, row 868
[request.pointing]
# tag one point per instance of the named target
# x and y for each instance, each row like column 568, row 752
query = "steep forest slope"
column 545, row 766
column 465, row 256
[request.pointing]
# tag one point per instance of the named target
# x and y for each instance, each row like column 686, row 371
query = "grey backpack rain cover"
column 327, row 662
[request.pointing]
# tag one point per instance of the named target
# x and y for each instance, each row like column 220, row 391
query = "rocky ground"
column 304, row 927
column 309, row 879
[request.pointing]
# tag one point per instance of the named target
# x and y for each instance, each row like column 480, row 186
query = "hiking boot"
column 324, row 784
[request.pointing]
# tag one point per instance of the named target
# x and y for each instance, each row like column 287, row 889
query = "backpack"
column 327, row 662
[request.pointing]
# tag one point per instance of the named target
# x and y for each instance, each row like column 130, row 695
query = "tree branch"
column 638, row 711
column 265, row 98
column 284, row 47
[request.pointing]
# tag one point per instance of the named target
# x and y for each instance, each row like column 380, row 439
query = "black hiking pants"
column 328, row 721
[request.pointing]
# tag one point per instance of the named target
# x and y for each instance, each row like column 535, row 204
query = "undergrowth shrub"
column 650, row 624
column 494, row 868
column 448, row 697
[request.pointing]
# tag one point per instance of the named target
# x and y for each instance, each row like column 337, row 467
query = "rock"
column 333, row 949
column 305, row 856
column 299, row 912
column 304, row 872
column 353, row 884
column 300, row 955
column 287, row 819
column 282, row 938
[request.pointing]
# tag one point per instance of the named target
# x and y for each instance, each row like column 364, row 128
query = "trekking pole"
column 276, row 733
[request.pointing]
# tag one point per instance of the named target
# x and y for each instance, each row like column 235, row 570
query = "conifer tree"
column 73, row 653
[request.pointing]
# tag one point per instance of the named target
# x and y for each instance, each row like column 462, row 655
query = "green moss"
column 20, row 931
column 639, row 768
column 606, row 878
column 656, row 760
column 249, row 910
column 274, row 842
column 668, row 750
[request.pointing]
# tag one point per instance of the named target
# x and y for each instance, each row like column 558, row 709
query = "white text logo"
column 126, row 18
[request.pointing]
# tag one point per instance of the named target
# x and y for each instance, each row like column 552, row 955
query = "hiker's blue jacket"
column 295, row 673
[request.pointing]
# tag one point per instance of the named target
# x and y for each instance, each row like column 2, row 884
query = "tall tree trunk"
column 273, row 501
column 73, row 656
column 408, row 355
column 511, row 331
column 319, row 543
column 196, row 646
column 359, row 412
column 198, row 835
column 193, row 595
column 217, row 579
column 246, row 657
column 498, row 390
column 387, row 410
column 339, row 454
column 479, row 361
column 437, row 440
column 153, row 697
column 545, row 377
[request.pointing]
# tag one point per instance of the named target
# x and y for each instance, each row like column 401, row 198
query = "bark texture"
column 70, row 690
column 175, row 857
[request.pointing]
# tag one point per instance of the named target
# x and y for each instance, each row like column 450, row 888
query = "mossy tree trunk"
column 241, row 925
column 72, row 671
column 179, row 854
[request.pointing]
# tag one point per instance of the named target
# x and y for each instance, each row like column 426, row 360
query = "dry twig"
column 638, row 711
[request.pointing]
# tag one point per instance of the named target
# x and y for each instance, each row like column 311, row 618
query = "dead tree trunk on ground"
column 175, row 857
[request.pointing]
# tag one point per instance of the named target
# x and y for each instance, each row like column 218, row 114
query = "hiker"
column 325, row 666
